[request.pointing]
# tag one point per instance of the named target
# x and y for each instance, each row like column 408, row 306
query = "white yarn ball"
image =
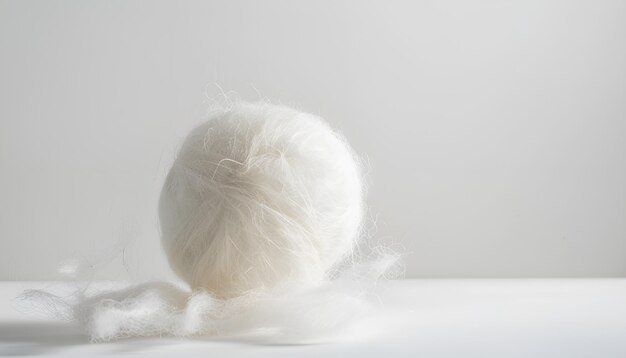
column 258, row 196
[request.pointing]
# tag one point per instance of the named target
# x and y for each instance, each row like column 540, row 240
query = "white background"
column 495, row 131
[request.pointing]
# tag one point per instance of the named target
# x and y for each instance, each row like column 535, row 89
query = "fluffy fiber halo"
column 260, row 195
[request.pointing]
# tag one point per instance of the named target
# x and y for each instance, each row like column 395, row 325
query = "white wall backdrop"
column 495, row 131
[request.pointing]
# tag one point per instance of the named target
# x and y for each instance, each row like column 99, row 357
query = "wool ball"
column 260, row 195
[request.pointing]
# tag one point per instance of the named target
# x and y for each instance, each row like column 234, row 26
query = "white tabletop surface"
column 424, row 318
